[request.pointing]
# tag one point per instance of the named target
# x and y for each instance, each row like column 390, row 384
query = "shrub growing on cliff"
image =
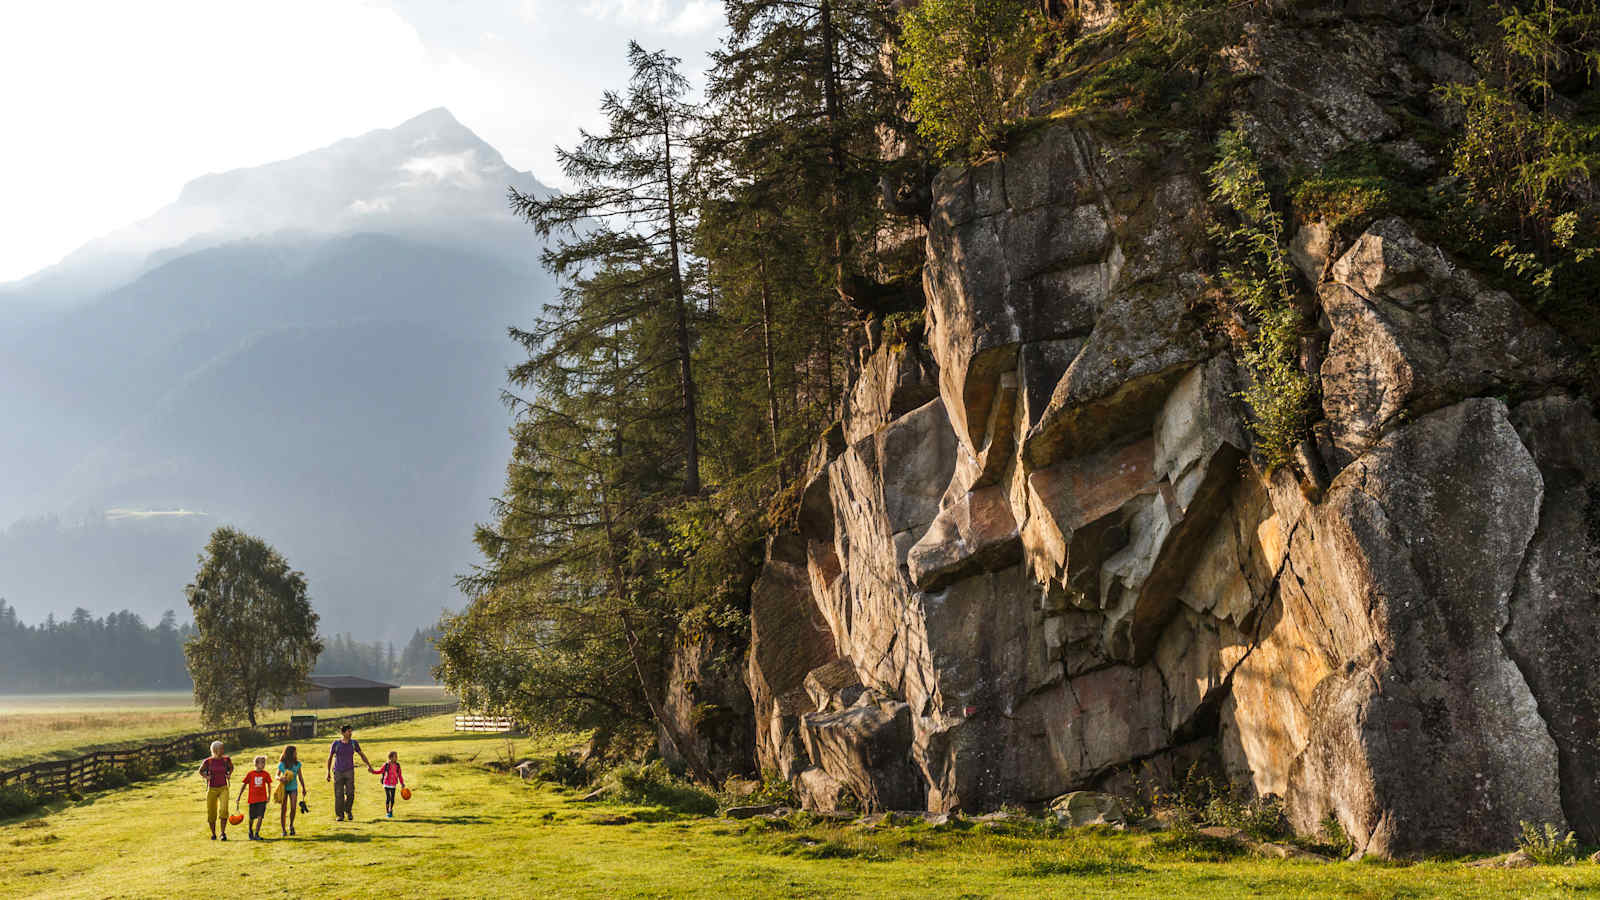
column 1525, row 161
column 966, row 63
column 651, row 784
column 1546, row 845
column 1257, row 277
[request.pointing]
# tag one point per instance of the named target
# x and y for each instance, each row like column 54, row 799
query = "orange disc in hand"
column 405, row 793
column 235, row 819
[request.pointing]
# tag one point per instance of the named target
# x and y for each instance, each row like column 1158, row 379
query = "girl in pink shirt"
column 392, row 779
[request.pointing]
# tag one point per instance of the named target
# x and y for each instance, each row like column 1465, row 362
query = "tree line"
column 119, row 651
column 83, row 653
column 412, row 664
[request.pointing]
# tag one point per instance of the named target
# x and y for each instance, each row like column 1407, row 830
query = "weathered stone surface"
column 710, row 706
column 1082, row 808
column 896, row 380
column 867, row 748
column 820, row 792
column 1432, row 679
column 1412, row 333
column 977, row 533
column 833, row 686
column 1553, row 626
column 788, row 638
column 749, row 812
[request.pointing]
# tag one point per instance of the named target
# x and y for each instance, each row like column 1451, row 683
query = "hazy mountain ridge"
column 330, row 380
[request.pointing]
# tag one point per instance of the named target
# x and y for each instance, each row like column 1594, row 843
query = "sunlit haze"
column 111, row 107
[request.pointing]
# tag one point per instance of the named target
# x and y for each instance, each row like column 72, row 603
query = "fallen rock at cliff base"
column 1083, row 808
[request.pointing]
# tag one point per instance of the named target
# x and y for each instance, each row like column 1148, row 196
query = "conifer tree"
column 630, row 210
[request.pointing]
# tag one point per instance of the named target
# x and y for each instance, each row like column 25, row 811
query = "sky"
column 112, row 106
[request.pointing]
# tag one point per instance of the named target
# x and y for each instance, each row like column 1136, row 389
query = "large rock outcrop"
column 1037, row 553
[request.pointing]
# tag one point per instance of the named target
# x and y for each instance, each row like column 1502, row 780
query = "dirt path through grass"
column 470, row 832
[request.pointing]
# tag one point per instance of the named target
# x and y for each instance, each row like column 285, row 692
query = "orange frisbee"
column 405, row 793
column 235, row 819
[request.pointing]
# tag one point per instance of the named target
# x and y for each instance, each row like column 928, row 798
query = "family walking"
column 288, row 788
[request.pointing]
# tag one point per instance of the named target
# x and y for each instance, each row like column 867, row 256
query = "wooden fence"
column 103, row 767
column 485, row 724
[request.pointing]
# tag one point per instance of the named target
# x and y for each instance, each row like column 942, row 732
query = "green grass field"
column 36, row 727
column 473, row 832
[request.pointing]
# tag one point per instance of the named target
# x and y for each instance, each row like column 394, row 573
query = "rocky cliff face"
column 1036, row 553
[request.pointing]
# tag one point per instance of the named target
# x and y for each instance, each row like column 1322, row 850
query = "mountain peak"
column 438, row 117
column 428, row 172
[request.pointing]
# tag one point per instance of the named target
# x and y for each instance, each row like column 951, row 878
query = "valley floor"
column 473, row 832
column 38, row 727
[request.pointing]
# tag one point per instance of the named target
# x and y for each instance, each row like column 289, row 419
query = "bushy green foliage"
column 966, row 64
column 651, row 784
column 1257, row 276
column 567, row 769
column 16, row 799
column 250, row 737
column 255, row 634
column 1332, row 840
column 775, row 790
column 1547, row 845
column 1525, row 161
column 1260, row 817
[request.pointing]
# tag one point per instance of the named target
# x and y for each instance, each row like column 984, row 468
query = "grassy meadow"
column 37, row 727
column 472, row 831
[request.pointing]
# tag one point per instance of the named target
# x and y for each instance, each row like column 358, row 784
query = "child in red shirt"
column 259, row 783
column 391, row 780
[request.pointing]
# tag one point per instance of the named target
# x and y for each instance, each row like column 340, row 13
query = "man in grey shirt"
column 342, row 772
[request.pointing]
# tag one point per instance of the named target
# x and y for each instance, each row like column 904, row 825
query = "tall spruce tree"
column 630, row 209
column 800, row 94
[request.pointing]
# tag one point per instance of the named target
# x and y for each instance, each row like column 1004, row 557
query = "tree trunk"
column 685, row 748
column 830, row 112
column 772, row 381
column 691, row 436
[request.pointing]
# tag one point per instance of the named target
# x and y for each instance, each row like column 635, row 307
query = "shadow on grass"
column 348, row 837
column 455, row 736
column 446, row 820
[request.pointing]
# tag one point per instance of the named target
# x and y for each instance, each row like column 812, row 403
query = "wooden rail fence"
column 102, row 767
column 485, row 724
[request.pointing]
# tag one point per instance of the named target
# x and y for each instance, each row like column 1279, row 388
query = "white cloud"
column 628, row 12
column 115, row 514
column 461, row 168
column 697, row 17
column 687, row 17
